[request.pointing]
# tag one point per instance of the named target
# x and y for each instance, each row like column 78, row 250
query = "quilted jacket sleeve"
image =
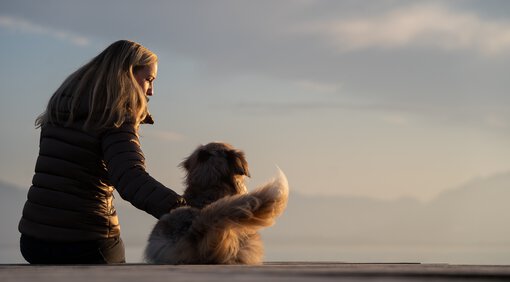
column 126, row 168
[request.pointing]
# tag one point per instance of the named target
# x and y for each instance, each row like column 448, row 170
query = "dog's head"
column 217, row 165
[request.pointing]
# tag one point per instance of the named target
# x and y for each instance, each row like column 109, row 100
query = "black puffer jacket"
column 71, row 197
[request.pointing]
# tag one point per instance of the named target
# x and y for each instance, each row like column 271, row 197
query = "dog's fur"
column 220, row 225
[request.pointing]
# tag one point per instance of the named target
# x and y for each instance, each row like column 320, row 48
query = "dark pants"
column 36, row 251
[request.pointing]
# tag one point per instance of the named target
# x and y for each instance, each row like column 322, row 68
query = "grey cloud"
column 258, row 37
column 492, row 9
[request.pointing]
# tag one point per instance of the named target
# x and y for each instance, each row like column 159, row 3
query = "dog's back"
column 224, row 232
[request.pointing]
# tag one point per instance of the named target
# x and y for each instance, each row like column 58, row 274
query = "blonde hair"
column 108, row 85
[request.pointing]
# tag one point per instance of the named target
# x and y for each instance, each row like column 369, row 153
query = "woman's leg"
column 103, row 251
column 113, row 251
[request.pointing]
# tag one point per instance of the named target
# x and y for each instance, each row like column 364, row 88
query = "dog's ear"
column 200, row 155
column 238, row 163
column 185, row 164
column 203, row 155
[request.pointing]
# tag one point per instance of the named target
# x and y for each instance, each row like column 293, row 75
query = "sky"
column 381, row 99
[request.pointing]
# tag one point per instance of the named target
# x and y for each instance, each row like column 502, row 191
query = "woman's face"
column 145, row 77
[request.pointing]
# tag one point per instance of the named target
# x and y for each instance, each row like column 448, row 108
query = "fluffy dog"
column 220, row 224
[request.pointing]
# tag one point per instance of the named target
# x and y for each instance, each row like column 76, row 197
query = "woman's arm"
column 126, row 168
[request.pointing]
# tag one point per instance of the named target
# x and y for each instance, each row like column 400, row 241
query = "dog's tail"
column 239, row 216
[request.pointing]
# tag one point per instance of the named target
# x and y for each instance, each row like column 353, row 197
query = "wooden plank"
column 282, row 271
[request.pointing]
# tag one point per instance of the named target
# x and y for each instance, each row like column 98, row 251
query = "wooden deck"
column 268, row 272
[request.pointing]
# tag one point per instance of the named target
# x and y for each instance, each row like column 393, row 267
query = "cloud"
column 396, row 119
column 315, row 86
column 496, row 122
column 25, row 26
column 394, row 56
column 429, row 25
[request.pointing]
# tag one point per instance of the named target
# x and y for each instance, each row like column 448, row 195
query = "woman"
column 88, row 147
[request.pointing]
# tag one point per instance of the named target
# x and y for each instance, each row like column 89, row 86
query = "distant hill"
column 469, row 224
column 477, row 212
column 12, row 199
column 475, row 215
